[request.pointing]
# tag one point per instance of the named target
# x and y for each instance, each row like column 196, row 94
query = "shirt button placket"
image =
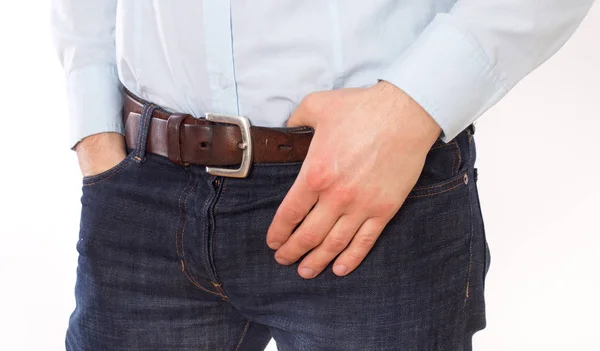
column 219, row 56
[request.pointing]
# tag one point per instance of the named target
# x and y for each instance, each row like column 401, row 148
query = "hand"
column 366, row 155
column 100, row 152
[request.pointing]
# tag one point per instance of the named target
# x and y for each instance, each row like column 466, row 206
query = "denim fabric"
column 172, row 258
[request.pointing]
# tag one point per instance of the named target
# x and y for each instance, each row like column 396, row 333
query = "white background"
column 539, row 166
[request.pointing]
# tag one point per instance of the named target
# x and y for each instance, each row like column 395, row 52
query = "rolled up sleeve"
column 466, row 60
column 84, row 38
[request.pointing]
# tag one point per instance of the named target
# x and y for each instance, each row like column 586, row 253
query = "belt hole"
column 285, row 147
column 204, row 145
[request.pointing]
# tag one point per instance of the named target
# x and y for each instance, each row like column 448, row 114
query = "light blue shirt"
column 259, row 58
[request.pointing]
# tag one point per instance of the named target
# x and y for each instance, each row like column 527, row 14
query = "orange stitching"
column 188, row 273
column 219, row 289
column 441, row 192
column 115, row 170
column 243, row 335
column 438, row 185
column 182, row 257
column 196, row 284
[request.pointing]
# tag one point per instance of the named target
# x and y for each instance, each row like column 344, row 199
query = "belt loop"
column 145, row 118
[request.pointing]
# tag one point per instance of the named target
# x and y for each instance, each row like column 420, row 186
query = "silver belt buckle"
column 244, row 124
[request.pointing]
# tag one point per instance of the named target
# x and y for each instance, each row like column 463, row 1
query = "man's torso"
column 260, row 58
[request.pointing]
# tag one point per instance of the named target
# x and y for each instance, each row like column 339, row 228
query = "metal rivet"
column 466, row 179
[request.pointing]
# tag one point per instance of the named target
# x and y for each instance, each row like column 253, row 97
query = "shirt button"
column 222, row 81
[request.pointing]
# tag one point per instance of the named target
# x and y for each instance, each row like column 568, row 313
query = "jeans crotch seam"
column 199, row 286
column 239, row 344
column 183, row 213
column 220, row 290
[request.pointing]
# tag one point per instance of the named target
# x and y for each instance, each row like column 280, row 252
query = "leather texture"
column 185, row 139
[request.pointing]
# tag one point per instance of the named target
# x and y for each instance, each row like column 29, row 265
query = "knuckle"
column 365, row 241
column 385, row 208
column 344, row 195
column 291, row 214
column 309, row 239
column 319, row 176
column 355, row 255
column 312, row 102
column 336, row 244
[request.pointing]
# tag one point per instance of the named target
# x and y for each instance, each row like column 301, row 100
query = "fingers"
column 359, row 247
column 309, row 234
column 294, row 207
column 335, row 242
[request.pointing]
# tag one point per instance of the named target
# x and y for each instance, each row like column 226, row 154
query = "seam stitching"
column 109, row 174
column 440, row 192
column 438, row 185
column 215, row 208
column 187, row 272
column 243, row 335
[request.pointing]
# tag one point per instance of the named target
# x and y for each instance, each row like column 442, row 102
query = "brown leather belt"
column 215, row 140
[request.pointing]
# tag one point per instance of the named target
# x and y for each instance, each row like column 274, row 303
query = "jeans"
column 172, row 258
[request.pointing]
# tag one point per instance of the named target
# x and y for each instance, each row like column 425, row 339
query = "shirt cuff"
column 449, row 75
column 95, row 99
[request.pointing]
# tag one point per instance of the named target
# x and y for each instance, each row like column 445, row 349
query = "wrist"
column 100, row 152
column 100, row 142
column 423, row 129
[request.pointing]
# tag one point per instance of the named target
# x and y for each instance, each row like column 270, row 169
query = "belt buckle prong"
column 246, row 146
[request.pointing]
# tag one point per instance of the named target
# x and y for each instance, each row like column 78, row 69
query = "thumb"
column 298, row 119
column 304, row 115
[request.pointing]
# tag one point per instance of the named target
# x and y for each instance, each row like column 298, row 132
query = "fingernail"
column 282, row 261
column 274, row 245
column 340, row 269
column 306, row 273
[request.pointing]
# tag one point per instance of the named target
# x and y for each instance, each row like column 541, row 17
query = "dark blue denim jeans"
column 172, row 258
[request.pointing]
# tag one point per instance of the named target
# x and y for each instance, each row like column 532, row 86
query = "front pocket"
column 119, row 167
column 445, row 169
column 462, row 179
